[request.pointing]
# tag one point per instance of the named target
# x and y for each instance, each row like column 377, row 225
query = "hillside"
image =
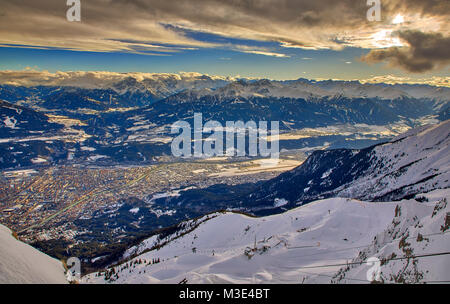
column 22, row 264
column 286, row 248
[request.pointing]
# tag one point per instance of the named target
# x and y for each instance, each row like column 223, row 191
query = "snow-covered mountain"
column 144, row 88
column 311, row 89
column 295, row 246
column 164, row 85
column 100, row 89
column 22, row 264
column 326, row 240
column 417, row 161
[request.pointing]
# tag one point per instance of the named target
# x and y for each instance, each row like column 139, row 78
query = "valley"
column 96, row 177
column 70, row 205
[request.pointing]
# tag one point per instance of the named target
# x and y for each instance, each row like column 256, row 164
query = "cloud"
column 257, row 51
column 96, row 79
column 424, row 52
column 105, row 79
column 104, row 27
column 265, row 53
column 140, row 26
column 392, row 79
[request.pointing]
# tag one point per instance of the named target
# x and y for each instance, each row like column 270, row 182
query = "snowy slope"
column 22, row 264
column 417, row 161
column 417, row 231
column 331, row 231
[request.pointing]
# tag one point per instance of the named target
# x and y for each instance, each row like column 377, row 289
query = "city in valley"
column 59, row 205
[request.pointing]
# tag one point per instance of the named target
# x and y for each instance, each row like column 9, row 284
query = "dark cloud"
column 424, row 52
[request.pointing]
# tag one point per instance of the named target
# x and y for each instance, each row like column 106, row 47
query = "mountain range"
column 129, row 121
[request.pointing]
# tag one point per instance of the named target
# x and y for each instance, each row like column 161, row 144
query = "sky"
column 275, row 39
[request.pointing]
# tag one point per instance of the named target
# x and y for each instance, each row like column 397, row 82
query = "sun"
column 384, row 39
column 399, row 19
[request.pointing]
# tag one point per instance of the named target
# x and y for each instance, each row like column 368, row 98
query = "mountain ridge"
column 370, row 170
